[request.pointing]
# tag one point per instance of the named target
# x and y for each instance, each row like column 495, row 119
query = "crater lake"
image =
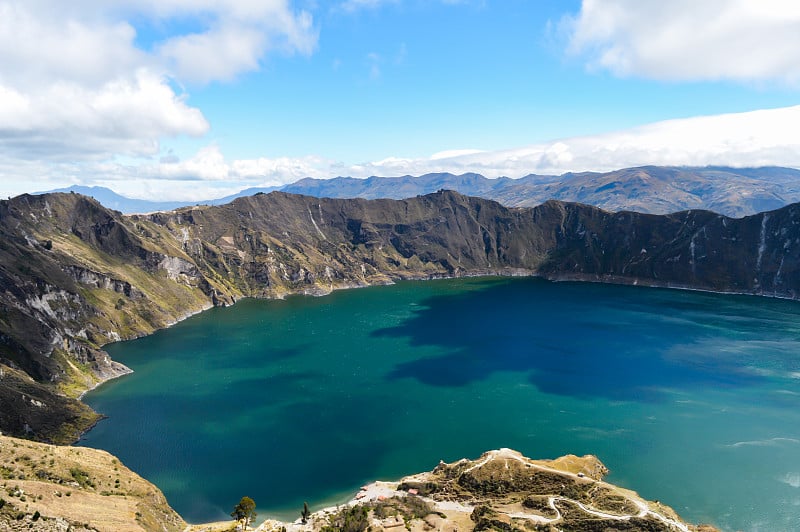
column 689, row 398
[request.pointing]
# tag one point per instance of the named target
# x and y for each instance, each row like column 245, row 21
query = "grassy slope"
column 80, row 485
column 77, row 275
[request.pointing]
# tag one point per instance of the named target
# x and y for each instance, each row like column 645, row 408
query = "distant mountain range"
column 734, row 192
column 112, row 200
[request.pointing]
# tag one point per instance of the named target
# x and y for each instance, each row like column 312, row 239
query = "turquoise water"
column 689, row 398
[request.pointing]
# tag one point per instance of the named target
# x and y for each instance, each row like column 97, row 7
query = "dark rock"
column 105, row 276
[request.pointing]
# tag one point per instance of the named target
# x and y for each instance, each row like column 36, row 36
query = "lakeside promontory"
column 76, row 489
column 501, row 490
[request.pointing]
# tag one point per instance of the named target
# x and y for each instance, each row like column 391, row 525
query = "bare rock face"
column 501, row 490
column 75, row 275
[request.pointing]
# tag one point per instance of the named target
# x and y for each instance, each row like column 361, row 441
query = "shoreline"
column 310, row 292
column 645, row 283
column 347, row 501
column 582, row 471
column 393, row 279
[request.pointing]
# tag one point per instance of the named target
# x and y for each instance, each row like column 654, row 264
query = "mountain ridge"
column 80, row 275
column 735, row 192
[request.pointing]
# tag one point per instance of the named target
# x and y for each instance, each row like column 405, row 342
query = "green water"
column 689, row 398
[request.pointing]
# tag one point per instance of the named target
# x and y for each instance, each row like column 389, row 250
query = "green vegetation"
column 539, row 504
column 350, row 519
column 409, row 507
column 245, row 511
column 424, row 489
column 486, row 518
column 81, row 477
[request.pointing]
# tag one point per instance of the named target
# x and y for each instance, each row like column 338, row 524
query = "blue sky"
column 195, row 99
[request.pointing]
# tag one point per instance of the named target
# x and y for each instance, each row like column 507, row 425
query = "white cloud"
column 739, row 40
column 757, row 138
column 38, row 45
column 242, row 33
column 207, row 174
column 66, row 120
column 209, row 164
column 355, row 5
column 449, row 154
column 75, row 85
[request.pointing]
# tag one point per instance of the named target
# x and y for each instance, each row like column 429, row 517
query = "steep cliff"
column 75, row 276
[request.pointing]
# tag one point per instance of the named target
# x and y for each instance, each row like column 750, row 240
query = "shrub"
column 418, row 507
column 349, row 520
column 81, row 477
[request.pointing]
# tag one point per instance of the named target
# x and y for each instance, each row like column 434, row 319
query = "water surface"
column 689, row 398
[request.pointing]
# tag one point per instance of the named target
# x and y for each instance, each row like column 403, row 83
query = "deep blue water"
column 689, row 398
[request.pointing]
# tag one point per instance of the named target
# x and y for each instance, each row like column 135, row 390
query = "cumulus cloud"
column 206, row 175
column 757, row 138
column 39, row 45
column 209, row 164
column 69, row 120
column 690, row 40
column 75, row 84
column 238, row 39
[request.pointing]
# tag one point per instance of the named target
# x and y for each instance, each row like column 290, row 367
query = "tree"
column 305, row 515
column 244, row 511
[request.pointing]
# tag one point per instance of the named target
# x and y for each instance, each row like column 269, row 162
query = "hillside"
column 52, row 488
column 76, row 275
column 734, row 192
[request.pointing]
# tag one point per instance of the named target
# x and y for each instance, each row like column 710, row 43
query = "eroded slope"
column 75, row 276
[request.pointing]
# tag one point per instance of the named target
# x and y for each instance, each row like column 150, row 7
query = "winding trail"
column 385, row 490
column 506, row 454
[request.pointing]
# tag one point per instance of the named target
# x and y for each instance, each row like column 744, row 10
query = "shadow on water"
column 570, row 339
column 280, row 453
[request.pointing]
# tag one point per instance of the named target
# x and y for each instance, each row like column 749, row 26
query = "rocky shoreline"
column 500, row 490
column 60, row 489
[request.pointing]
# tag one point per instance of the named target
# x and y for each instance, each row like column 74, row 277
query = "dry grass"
column 221, row 526
column 82, row 485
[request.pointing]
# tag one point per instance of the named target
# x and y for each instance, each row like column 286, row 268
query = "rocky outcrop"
column 61, row 489
column 501, row 490
column 75, row 276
